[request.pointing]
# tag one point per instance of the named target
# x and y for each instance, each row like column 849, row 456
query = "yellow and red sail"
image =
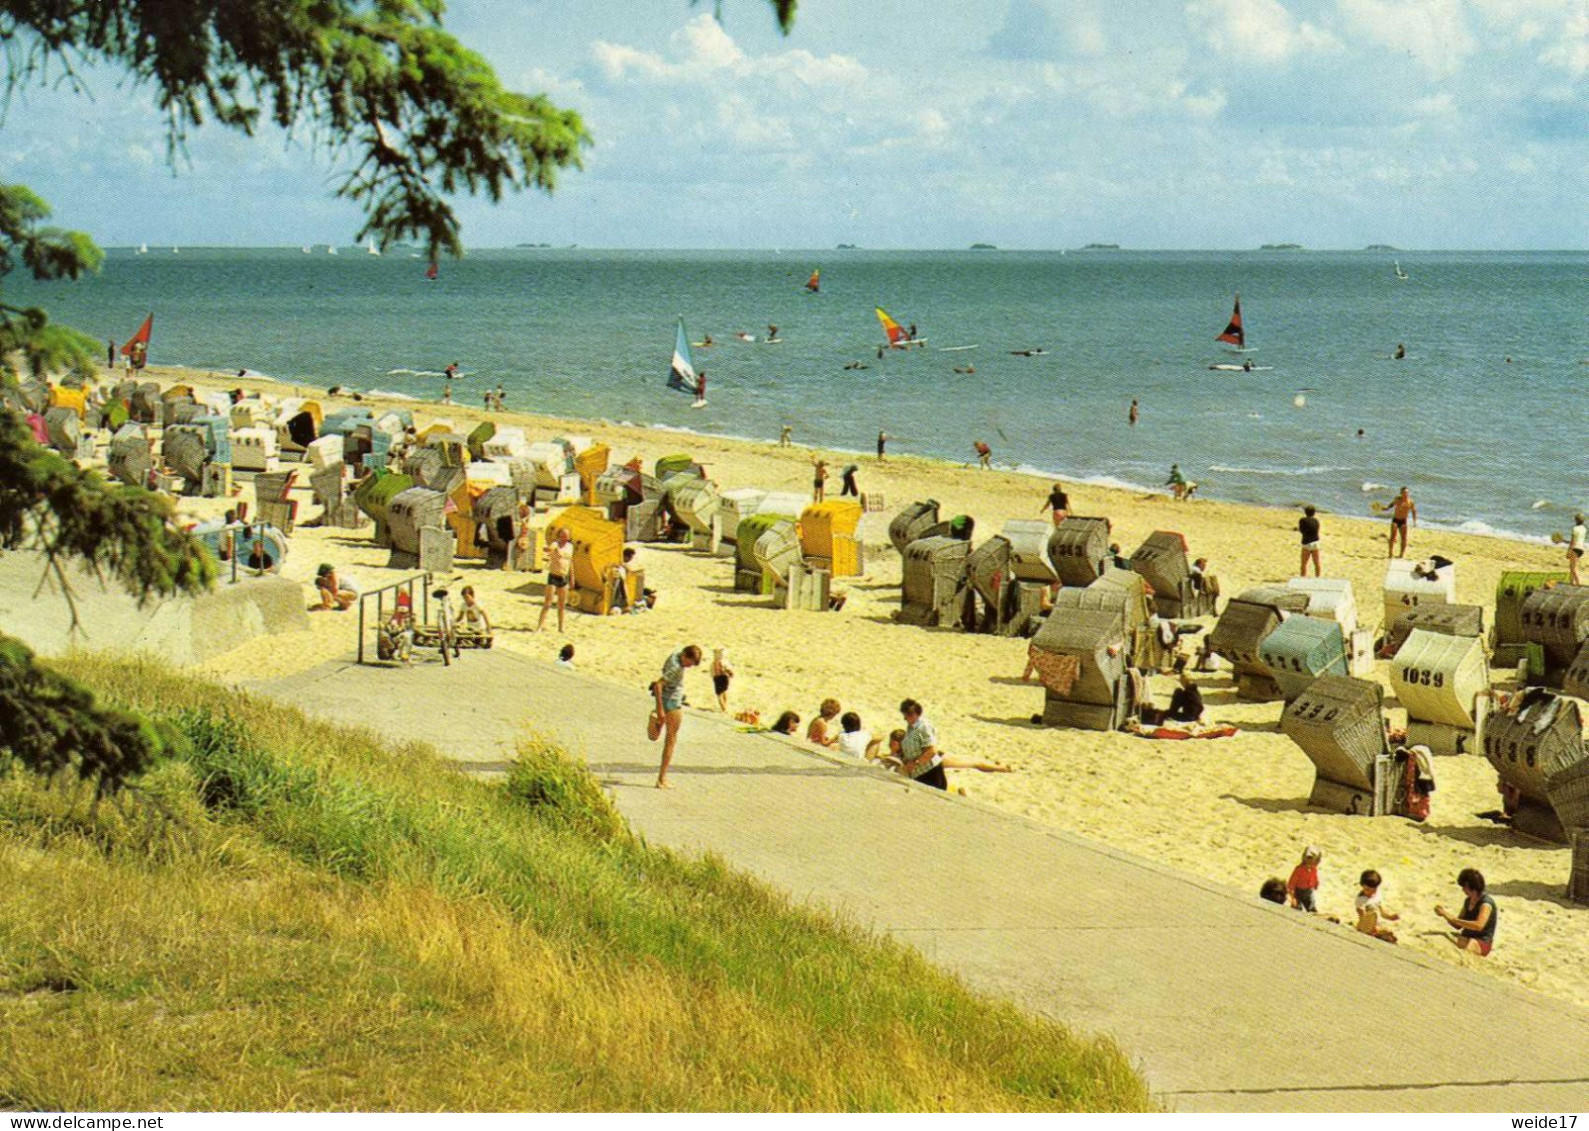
column 814, row 284
column 895, row 332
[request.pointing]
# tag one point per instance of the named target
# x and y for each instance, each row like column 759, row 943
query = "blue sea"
column 1485, row 419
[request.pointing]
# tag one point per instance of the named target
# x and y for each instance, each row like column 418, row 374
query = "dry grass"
column 293, row 916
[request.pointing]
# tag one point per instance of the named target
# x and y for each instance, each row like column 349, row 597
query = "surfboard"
column 956, row 349
column 1242, row 368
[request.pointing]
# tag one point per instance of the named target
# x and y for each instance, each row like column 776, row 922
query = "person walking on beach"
column 785, row 435
column 882, row 444
column 1058, row 503
column 1131, row 416
column 446, row 393
column 819, row 481
column 1402, row 509
column 984, row 455
column 110, row 353
column 559, row 568
column 669, row 692
column 1308, row 527
column 919, row 755
column 1176, row 483
column 850, row 488
column 1575, row 548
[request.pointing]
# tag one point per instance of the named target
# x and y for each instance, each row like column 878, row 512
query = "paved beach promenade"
column 1226, row 1004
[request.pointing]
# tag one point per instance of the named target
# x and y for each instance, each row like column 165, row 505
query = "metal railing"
column 421, row 609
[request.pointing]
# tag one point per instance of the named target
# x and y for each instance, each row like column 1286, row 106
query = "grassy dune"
column 294, row 916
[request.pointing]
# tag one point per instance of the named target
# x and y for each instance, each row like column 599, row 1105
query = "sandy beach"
column 1232, row 810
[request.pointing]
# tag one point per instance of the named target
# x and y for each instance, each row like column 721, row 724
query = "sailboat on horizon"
column 143, row 249
column 1400, row 274
column 1234, row 334
column 370, row 248
column 682, row 374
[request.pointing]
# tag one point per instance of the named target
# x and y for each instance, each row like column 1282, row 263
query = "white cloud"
column 1433, row 32
column 1260, row 30
column 702, row 53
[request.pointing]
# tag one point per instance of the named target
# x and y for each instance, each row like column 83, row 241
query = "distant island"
column 983, row 247
column 1381, row 247
column 1101, row 247
column 846, row 247
column 532, row 245
column 1281, row 247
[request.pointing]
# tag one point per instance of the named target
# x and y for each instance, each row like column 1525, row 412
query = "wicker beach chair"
column 1528, row 747
column 1163, row 562
column 1507, row 645
column 933, row 587
column 1080, row 657
column 1557, row 619
column 1301, row 649
column 1448, row 620
column 1338, row 723
column 1079, row 549
column 1443, row 681
column 407, row 514
column 911, row 523
column 1245, row 624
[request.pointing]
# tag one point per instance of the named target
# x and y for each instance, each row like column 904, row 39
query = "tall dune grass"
column 294, row 916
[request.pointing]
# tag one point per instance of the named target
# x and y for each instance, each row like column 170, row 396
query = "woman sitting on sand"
column 1476, row 922
column 820, row 732
column 788, row 723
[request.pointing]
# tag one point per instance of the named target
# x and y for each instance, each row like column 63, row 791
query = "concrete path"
column 1226, row 1003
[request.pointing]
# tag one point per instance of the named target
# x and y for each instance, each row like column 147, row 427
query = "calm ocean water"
column 1485, row 418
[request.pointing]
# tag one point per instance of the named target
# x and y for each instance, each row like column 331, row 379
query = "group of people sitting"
column 1474, row 923
column 911, row 751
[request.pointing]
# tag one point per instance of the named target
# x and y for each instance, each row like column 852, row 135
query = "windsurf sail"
column 814, row 284
column 682, row 374
column 432, row 271
column 1233, row 332
column 1400, row 274
column 136, row 350
column 895, row 332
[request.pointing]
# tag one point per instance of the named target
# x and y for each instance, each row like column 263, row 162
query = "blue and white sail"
column 682, row 376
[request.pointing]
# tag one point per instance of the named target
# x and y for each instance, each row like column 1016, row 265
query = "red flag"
column 141, row 338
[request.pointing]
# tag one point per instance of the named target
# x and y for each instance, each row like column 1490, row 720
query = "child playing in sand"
column 1304, row 881
column 722, row 673
column 1371, row 908
column 472, row 619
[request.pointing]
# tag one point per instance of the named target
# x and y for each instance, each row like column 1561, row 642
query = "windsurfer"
column 451, row 371
column 700, row 387
column 706, row 341
column 1247, row 366
column 772, row 332
column 910, row 334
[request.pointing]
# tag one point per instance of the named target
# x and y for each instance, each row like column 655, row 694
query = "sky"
column 935, row 124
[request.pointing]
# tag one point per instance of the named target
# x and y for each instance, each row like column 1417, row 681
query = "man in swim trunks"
column 1308, row 527
column 1402, row 508
column 1058, row 503
column 559, row 571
